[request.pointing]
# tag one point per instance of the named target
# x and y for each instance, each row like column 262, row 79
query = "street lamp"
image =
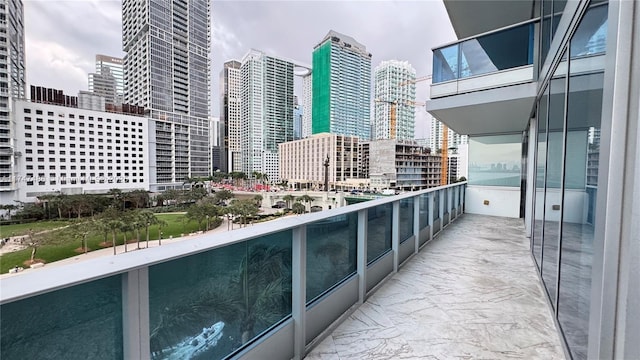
column 207, row 222
column 148, row 226
column 160, row 238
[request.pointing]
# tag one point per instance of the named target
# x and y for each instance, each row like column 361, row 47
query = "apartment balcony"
column 395, row 277
column 485, row 83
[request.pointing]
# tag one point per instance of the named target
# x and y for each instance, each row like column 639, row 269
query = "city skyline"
column 66, row 56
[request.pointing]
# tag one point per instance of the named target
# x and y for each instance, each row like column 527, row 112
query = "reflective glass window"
column 583, row 126
column 379, row 231
column 406, row 219
column 553, row 179
column 538, row 219
column 79, row 322
column 331, row 252
column 219, row 299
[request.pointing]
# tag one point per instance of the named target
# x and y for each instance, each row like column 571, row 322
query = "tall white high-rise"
column 230, row 115
column 454, row 139
column 394, row 86
column 307, row 101
column 12, row 85
column 266, row 110
column 167, row 71
column 108, row 80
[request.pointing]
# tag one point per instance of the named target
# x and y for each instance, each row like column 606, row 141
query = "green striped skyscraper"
column 341, row 87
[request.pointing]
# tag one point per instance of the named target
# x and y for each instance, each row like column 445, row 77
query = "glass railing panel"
column 424, row 211
column 445, row 64
column 501, row 50
column 379, row 231
column 219, row 299
column 591, row 39
column 331, row 252
column 79, row 322
column 406, row 219
column 498, row 51
column 436, row 205
column 445, row 194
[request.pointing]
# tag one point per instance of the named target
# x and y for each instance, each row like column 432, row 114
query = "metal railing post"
column 135, row 314
column 299, row 290
column 362, row 255
column 395, row 234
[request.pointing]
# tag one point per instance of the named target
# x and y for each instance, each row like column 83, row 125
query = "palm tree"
column 80, row 230
column 288, row 198
column 147, row 218
column 305, row 198
column 111, row 218
column 299, row 208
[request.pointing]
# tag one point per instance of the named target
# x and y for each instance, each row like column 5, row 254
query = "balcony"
column 483, row 84
column 277, row 290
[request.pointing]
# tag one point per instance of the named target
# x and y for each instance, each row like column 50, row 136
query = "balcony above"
column 472, row 17
column 484, row 84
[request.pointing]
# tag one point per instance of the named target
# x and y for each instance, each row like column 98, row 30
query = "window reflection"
column 495, row 160
column 581, row 184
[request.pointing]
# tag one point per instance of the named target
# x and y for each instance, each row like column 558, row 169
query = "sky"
column 63, row 37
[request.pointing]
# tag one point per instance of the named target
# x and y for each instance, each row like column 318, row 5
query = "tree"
column 299, row 208
column 305, row 198
column 147, row 218
column 223, row 195
column 117, row 198
column 9, row 208
column 288, row 198
column 172, row 194
column 80, row 230
column 138, row 198
column 258, row 200
column 112, row 221
column 237, row 176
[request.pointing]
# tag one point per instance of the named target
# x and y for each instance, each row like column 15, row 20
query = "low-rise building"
column 302, row 162
column 74, row 151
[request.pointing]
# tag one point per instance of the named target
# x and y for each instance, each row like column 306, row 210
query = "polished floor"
column 472, row 293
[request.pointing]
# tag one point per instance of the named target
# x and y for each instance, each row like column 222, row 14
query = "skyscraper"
column 12, row 85
column 394, row 82
column 454, row 139
column 108, row 80
column 230, row 88
column 167, row 71
column 341, row 87
column 267, row 111
column 307, row 101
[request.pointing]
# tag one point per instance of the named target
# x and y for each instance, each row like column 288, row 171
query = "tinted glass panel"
column 424, row 211
column 498, row 51
column 583, row 124
column 436, row 205
column 553, row 196
column 540, row 177
column 219, row 299
column 406, row 219
column 379, row 231
column 331, row 252
column 445, row 64
column 80, row 322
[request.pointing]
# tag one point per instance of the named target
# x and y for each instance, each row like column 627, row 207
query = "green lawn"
column 65, row 245
column 23, row 229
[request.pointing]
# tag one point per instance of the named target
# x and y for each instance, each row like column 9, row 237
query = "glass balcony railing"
column 245, row 293
column 499, row 50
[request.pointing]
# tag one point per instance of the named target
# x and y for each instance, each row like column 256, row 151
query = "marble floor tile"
column 472, row 293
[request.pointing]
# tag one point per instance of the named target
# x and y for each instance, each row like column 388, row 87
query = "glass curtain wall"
column 569, row 122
